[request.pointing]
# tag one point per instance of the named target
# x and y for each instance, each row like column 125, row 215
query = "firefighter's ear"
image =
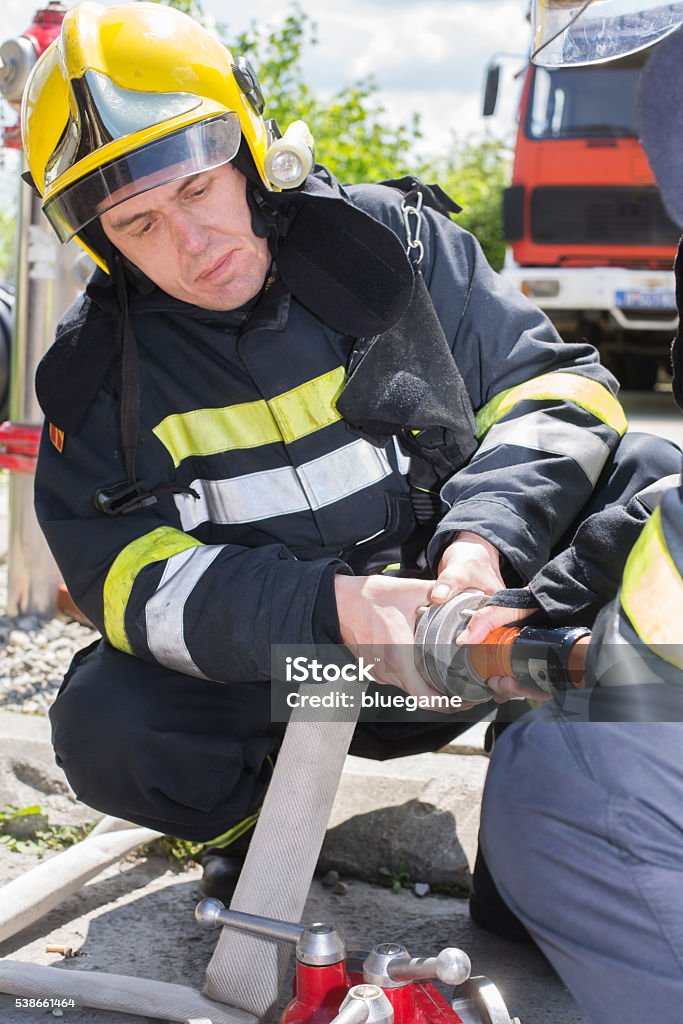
column 28, row 178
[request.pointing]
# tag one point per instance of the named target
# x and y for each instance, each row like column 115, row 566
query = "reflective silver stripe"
column 278, row 492
column 651, row 496
column 346, row 471
column 242, row 499
column 545, row 433
column 165, row 609
column 402, row 460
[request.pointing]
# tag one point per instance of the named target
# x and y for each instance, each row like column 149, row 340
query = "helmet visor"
column 191, row 150
column 575, row 32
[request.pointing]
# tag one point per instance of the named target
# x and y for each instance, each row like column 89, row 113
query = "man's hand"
column 380, row 612
column 468, row 563
column 472, row 563
column 483, row 622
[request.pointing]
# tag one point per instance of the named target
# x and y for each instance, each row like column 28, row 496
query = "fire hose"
column 244, row 977
column 245, row 974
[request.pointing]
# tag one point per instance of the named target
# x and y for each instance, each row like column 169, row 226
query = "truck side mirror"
column 491, row 90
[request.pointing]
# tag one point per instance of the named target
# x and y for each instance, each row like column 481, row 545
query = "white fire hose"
column 245, row 974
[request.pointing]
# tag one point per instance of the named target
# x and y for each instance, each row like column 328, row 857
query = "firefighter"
column 590, row 859
column 264, row 398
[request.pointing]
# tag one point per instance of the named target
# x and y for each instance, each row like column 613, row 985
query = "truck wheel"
column 634, row 373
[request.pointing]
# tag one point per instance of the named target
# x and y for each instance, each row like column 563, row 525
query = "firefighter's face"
column 193, row 238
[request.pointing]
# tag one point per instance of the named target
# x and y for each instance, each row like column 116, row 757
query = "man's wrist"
column 469, row 536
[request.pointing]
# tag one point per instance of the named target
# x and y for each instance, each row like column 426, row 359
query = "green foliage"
column 352, row 135
column 452, row 889
column 7, row 241
column 354, row 139
column 191, row 7
column 39, row 839
column 350, row 129
column 475, row 173
column 395, row 878
column 177, row 851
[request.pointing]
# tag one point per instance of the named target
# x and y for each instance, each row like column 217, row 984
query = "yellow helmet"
column 128, row 98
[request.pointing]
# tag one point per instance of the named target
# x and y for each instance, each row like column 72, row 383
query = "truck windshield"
column 585, row 101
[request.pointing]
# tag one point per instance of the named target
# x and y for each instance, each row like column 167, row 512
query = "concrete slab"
column 29, row 775
column 418, row 815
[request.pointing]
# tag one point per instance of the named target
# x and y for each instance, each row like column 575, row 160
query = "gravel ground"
column 34, row 655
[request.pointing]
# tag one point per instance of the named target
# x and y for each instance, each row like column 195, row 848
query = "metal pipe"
column 452, row 966
column 48, row 278
column 212, row 913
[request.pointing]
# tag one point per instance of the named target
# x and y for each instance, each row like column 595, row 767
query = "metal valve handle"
column 316, row 944
column 390, row 965
column 452, row 966
column 212, row 913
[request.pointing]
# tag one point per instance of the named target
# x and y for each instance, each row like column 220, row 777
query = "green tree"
column 353, row 135
column 475, row 174
column 7, row 242
column 350, row 128
column 191, row 7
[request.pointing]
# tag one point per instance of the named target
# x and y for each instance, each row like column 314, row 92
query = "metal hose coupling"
column 444, row 665
column 546, row 660
column 365, row 1003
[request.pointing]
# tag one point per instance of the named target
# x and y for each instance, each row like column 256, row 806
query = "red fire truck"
column 589, row 239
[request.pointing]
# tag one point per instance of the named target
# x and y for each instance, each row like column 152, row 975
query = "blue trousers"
column 582, row 829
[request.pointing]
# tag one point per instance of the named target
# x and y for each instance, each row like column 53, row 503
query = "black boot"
column 222, row 866
column 488, row 909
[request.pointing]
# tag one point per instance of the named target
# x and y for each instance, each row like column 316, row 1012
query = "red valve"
column 319, row 992
column 19, row 447
column 18, row 57
column 45, row 26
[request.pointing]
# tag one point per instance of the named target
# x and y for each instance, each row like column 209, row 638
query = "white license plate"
column 646, row 298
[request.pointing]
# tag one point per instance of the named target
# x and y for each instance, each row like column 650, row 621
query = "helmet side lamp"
column 290, row 159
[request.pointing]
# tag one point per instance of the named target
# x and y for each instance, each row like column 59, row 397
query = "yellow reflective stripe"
column 209, row 431
column 652, row 593
column 310, row 406
column 234, row 833
column 570, row 387
column 152, row 547
column 293, row 414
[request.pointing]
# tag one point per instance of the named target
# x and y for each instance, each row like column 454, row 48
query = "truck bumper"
column 635, row 300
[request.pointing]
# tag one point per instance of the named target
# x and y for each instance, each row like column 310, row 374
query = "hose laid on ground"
column 117, row 992
column 245, row 970
column 248, row 970
column 30, row 897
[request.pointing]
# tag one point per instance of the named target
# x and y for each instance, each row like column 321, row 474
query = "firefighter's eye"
column 144, row 229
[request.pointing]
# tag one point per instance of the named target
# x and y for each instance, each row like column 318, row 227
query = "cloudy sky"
column 426, row 55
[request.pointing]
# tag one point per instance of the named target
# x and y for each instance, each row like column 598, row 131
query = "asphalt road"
column 654, row 411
